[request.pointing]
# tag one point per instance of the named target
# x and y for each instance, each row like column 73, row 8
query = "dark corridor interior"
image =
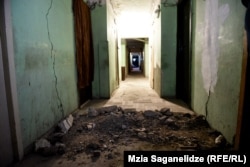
column 135, row 45
column 183, row 74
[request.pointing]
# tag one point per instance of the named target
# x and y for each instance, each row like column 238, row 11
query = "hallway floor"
column 135, row 118
column 135, row 93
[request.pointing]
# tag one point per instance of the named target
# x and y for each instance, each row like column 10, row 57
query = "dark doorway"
column 183, row 85
column 135, row 61
column 85, row 94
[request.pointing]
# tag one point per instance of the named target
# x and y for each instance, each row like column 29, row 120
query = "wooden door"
column 84, row 50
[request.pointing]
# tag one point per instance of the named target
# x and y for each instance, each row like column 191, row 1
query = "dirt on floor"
column 101, row 135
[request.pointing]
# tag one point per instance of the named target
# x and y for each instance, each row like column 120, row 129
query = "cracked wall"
column 45, row 64
column 216, row 63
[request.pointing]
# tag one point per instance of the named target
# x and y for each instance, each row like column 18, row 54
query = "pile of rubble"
column 102, row 129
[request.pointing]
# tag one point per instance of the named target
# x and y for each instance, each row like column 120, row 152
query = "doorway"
column 136, row 55
column 184, row 36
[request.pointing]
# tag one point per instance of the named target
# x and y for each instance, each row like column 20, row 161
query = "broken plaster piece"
column 66, row 124
column 41, row 144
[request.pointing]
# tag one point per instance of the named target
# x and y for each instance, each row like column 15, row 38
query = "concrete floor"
column 135, row 93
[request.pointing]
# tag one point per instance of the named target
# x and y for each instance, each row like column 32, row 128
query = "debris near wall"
column 52, row 144
column 103, row 130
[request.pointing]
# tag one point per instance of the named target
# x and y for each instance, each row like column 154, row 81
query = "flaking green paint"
column 222, row 104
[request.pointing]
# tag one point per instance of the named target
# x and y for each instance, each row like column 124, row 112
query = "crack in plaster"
column 52, row 54
column 215, row 16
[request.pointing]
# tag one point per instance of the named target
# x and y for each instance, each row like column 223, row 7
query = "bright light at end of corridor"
column 132, row 24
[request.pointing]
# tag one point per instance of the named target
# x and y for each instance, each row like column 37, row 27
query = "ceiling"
column 135, row 6
column 135, row 44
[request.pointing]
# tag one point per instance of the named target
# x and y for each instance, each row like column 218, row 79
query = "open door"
column 84, row 50
column 184, row 35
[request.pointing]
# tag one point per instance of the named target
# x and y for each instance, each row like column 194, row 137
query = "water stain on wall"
column 35, row 59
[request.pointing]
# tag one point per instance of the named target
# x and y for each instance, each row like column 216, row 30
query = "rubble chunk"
column 60, row 148
column 219, row 140
column 70, row 120
column 151, row 114
column 163, row 118
column 42, row 144
column 107, row 109
column 169, row 121
column 90, row 126
column 142, row 135
column 55, row 137
column 66, row 124
column 166, row 111
column 92, row 112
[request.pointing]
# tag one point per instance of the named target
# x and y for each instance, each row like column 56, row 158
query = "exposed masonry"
column 52, row 54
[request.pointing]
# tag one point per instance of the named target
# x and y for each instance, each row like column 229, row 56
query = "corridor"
column 70, row 58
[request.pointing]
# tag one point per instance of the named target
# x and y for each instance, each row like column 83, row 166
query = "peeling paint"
column 215, row 16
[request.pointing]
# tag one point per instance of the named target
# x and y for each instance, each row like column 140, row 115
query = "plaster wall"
column 146, row 60
column 168, row 51
column 112, row 48
column 155, row 56
column 45, row 64
column 100, row 85
column 124, row 56
column 216, row 64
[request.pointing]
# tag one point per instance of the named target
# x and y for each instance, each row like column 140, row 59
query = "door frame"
column 10, row 80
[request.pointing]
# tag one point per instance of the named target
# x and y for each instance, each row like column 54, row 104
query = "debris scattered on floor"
column 103, row 130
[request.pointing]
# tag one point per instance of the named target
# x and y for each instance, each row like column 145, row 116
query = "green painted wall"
column 112, row 49
column 155, row 57
column 122, row 53
column 42, row 100
column 216, row 63
column 168, row 51
column 100, row 85
column 146, row 59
